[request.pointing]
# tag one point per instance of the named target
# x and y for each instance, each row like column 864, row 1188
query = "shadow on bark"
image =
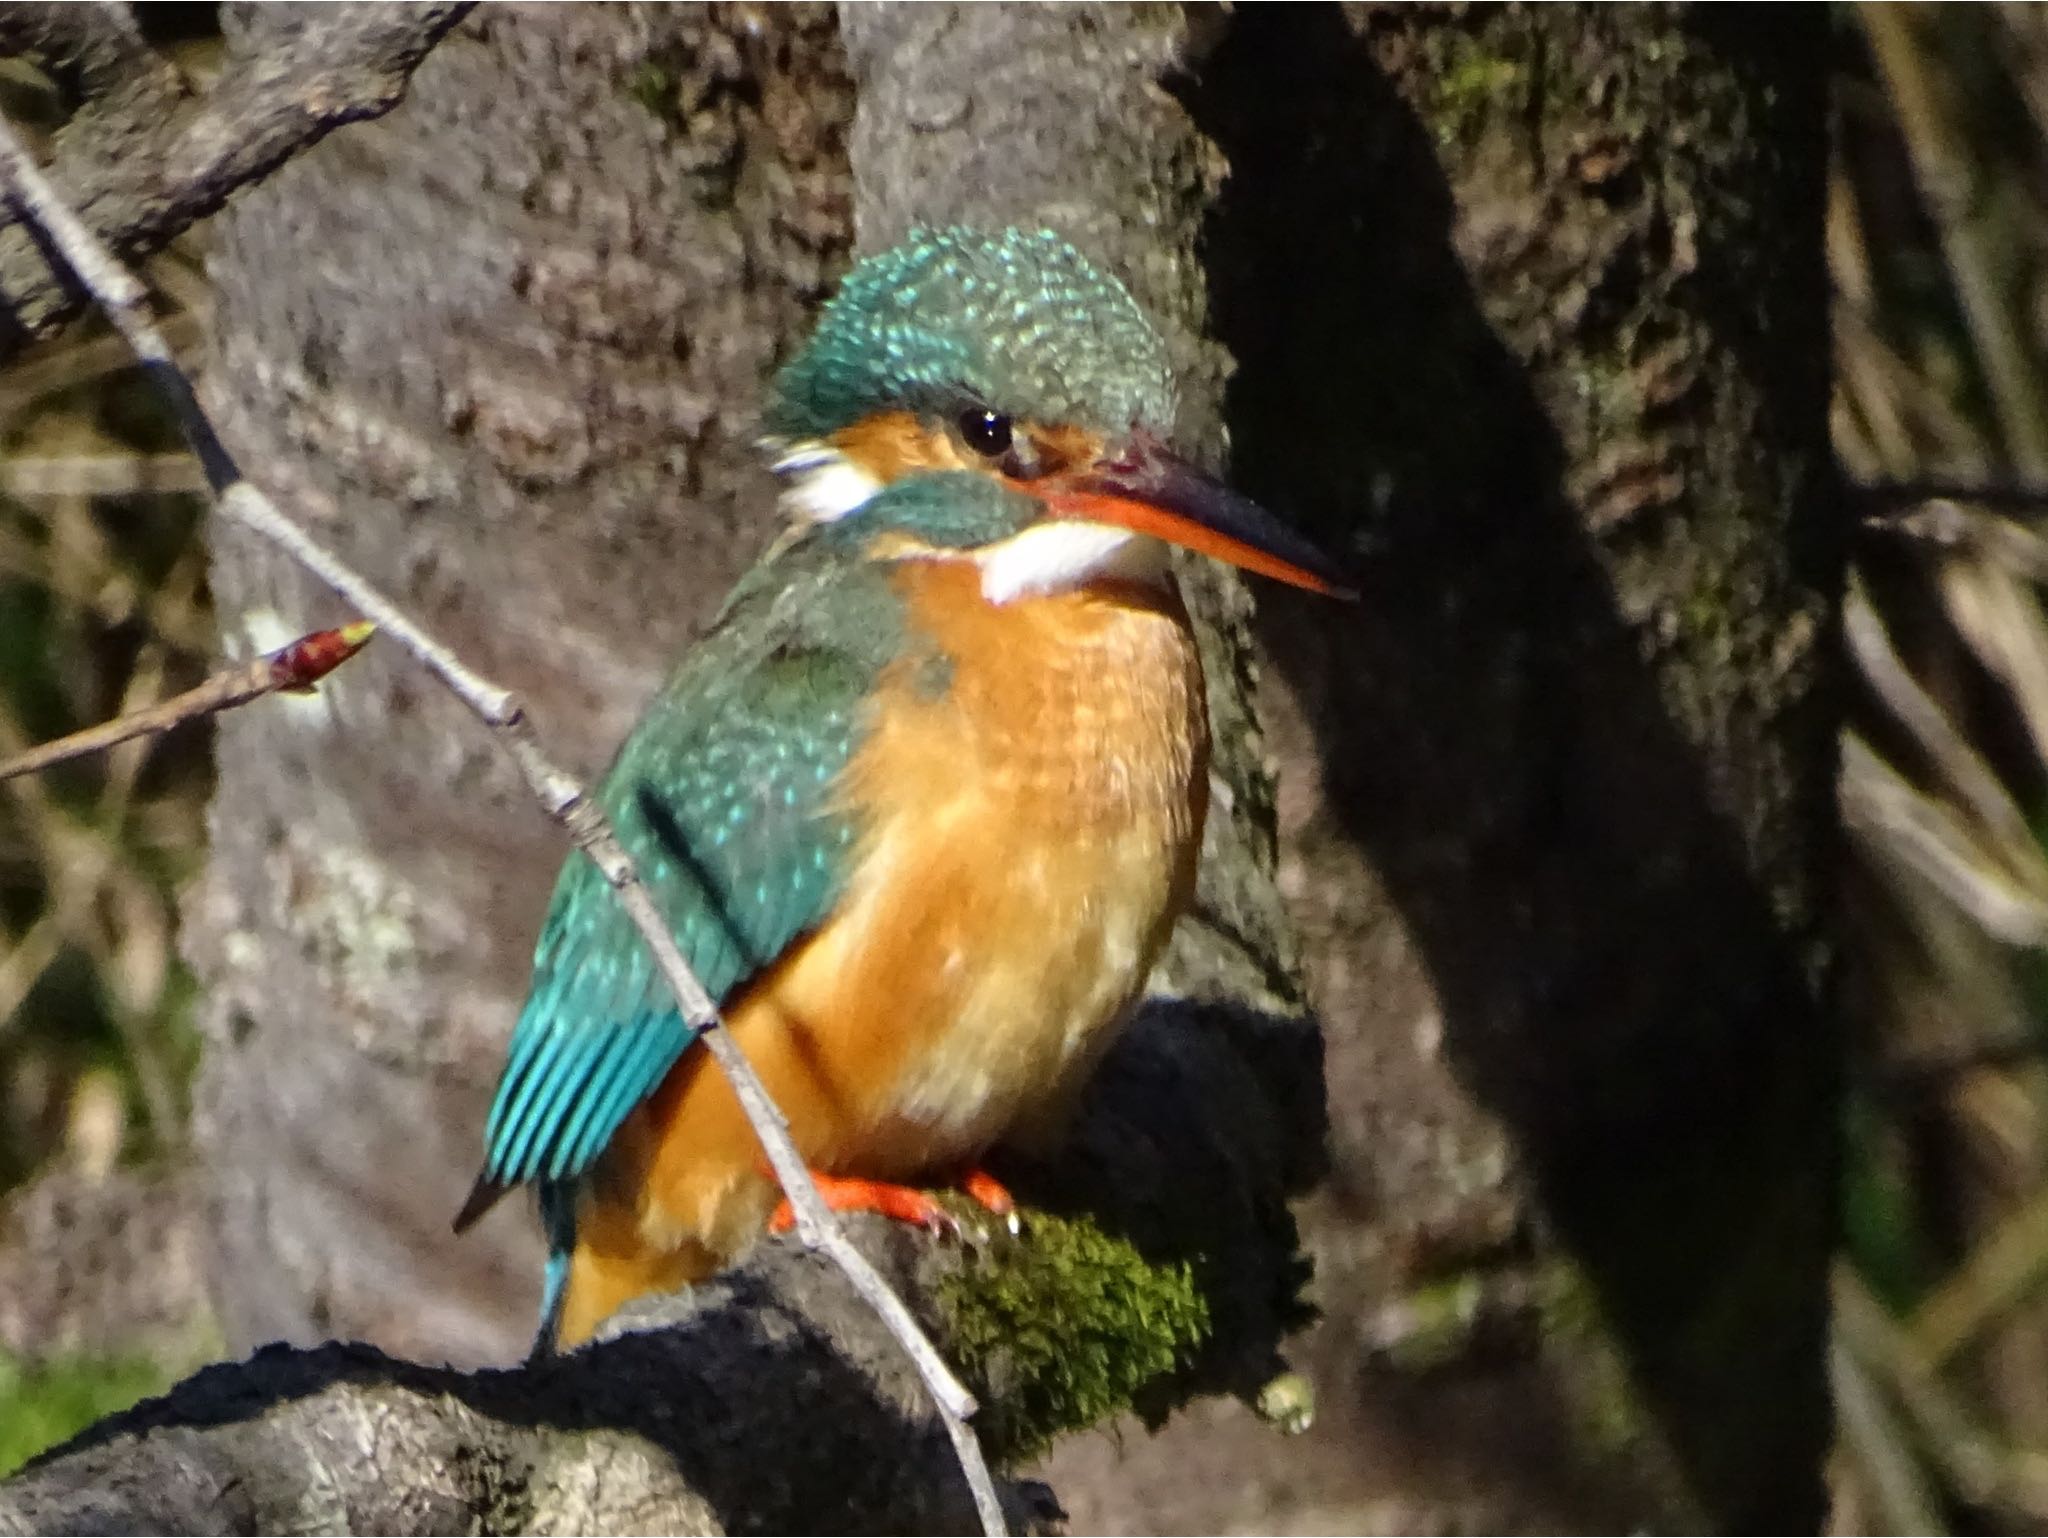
column 770, row 1399
column 1201, row 1123
column 1618, row 978
column 694, row 1393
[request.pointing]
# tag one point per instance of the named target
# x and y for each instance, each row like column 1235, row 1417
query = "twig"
column 1956, row 527
column 98, row 475
column 1894, row 502
column 2011, row 1482
column 564, row 799
column 294, row 668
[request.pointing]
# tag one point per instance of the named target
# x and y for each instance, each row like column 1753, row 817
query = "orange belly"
column 1028, row 836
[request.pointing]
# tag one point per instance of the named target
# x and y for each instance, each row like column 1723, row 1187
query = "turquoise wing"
column 723, row 796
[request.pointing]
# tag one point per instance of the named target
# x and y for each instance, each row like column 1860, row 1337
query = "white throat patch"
column 1063, row 554
column 820, row 483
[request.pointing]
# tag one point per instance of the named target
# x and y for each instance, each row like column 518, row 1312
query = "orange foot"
column 903, row 1203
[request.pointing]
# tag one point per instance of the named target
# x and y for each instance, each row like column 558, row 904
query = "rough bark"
column 505, row 347
column 1529, row 311
column 680, row 1423
column 1530, row 307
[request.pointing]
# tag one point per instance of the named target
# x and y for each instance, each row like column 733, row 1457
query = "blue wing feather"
column 723, row 796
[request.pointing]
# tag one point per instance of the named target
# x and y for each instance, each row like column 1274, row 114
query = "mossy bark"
column 1530, row 310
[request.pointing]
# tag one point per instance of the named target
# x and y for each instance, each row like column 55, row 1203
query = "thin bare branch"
column 1973, row 531
column 1960, row 765
column 1899, row 503
column 295, row 668
column 559, row 793
column 99, row 475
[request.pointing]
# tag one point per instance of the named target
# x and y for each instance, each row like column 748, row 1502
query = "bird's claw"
column 905, row 1204
column 994, row 1199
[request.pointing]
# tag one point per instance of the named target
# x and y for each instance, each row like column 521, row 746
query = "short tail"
column 558, row 1223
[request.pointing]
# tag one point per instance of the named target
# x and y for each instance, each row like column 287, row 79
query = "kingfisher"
column 923, row 803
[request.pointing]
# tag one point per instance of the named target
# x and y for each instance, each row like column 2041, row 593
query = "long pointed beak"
column 1150, row 491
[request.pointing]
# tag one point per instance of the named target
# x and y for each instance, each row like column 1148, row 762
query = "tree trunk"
column 1530, row 305
column 1528, row 310
column 504, row 348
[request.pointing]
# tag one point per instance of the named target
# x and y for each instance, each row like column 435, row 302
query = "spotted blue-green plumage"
column 723, row 795
column 719, row 797
column 1020, row 321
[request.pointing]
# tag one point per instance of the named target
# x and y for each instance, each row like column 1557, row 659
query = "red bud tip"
column 303, row 663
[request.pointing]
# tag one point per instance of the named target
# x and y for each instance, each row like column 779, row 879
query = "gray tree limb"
column 681, row 1424
column 768, row 1400
column 144, row 156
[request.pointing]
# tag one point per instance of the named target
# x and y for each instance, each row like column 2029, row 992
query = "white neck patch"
column 1063, row 554
column 820, row 483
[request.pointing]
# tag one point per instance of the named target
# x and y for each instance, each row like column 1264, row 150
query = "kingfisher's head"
column 1012, row 360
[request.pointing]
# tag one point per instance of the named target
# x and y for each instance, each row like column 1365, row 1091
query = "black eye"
column 985, row 432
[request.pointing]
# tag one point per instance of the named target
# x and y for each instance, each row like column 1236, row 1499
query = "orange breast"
column 1031, row 833
column 1030, row 825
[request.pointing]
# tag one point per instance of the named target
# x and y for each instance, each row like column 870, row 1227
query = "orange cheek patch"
column 895, row 443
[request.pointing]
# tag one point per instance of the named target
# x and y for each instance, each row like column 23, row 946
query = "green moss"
column 1436, row 1322
column 653, row 86
column 1604, row 1400
column 1472, row 85
column 43, row 1405
column 1287, row 1402
column 1065, row 1327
